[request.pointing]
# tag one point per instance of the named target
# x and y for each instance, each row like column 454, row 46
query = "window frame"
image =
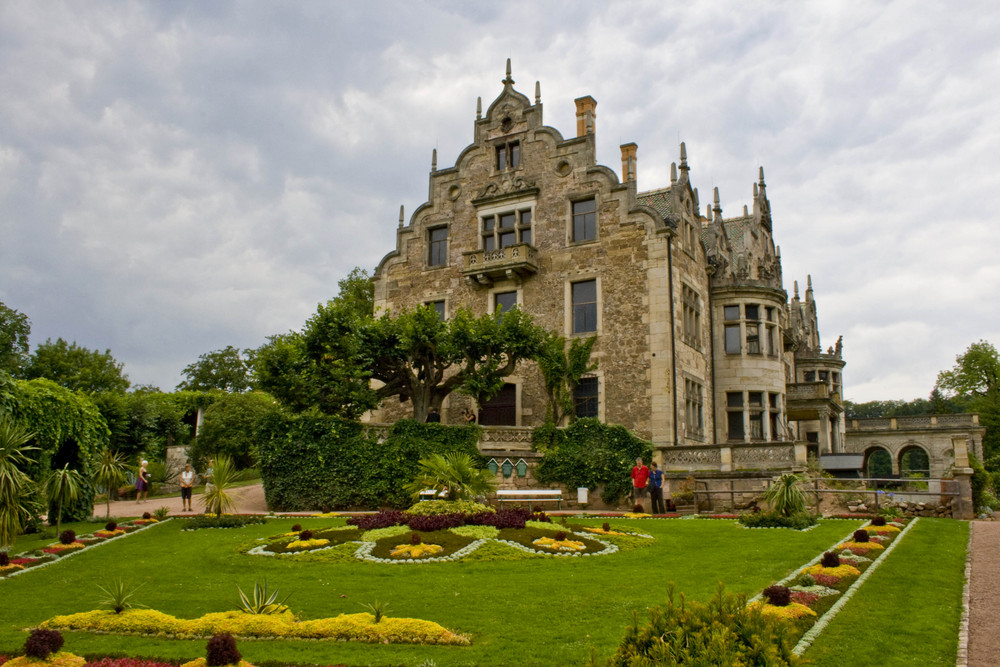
column 507, row 155
column 490, row 229
column 587, row 305
column 437, row 248
column 592, row 402
column 584, row 238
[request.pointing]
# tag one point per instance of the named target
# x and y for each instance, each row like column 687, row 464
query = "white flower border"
column 810, row 636
column 962, row 659
column 58, row 559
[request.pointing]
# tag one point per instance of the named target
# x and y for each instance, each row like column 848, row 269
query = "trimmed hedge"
column 311, row 461
column 591, row 454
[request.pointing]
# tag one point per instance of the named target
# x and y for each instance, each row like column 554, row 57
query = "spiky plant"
column 377, row 609
column 454, row 474
column 118, row 594
column 261, row 601
column 785, row 495
column 61, row 487
column 218, row 497
column 16, row 488
column 109, row 472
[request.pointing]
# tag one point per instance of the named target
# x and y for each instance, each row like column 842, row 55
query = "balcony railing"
column 511, row 263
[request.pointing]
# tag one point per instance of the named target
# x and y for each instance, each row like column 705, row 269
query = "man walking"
column 656, row 489
column 640, row 481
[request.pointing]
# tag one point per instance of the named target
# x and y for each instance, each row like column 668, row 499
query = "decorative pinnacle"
column 762, row 176
column 538, row 92
column 684, row 157
column 508, row 80
column 673, row 172
column 718, row 207
column 479, row 108
column 796, row 284
column 401, row 215
column 434, row 160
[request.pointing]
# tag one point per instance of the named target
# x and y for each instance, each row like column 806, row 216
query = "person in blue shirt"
column 656, row 489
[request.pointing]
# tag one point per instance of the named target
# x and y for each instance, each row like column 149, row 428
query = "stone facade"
column 698, row 343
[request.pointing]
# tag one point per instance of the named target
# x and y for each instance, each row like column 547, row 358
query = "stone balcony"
column 515, row 262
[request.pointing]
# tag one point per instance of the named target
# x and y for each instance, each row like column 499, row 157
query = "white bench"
column 430, row 494
column 530, row 495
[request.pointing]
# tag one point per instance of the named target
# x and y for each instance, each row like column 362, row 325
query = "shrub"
column 798, row 521
column 415, row 538
column 605, row 526
column 297, row 527
column 542, row 516
column 723, row 632
column 67, row 537
column 382, row 519
column 110, row 526
column 778, row 596
column 861, row 535
column 222, row 651
column 436, row 521
column 560, row 536
column 306, row 535
column 806, row 580
column 161, row 513
column 830, row 559
column 118, row 594
column 262, row 602
column 638, row 508
column 42, row 643
column 4, row 559
column 785, row 495
column 878, row 521
column 430, row 507
column 147, row 516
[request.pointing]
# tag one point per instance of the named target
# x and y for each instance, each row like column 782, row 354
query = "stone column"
column 962, row 506
column 824, row 433
column 835, row 444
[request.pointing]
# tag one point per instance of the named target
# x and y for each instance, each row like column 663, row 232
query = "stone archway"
column 878, row 462
column 914, row 461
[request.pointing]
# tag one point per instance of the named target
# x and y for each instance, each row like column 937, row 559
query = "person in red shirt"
column 640, row 481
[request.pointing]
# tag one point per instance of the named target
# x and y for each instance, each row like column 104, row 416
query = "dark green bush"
column 798, row 521
column 591, row 454
column 723, row 632
column 310, row 461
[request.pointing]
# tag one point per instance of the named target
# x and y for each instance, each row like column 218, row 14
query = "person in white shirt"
column 187, row 481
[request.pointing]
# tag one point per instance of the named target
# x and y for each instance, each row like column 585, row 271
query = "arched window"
column 914, row 462
column 878, row 463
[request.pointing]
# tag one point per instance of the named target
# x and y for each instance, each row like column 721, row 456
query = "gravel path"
column 249, row 500
column 984, row 595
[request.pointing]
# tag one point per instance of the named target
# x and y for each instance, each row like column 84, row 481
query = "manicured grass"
column 908, row 611
column 531, row 612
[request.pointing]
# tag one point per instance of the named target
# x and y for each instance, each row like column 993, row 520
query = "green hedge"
column 310, row 462
column 591, row 454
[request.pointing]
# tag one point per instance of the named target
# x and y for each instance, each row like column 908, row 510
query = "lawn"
column 535, row 612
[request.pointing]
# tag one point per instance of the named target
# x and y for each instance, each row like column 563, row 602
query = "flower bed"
column 345, row 627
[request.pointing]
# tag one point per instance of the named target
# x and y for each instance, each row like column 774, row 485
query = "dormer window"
column 508, row 155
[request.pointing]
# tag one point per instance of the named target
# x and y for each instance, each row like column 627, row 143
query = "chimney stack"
column 628, row 162
column 586, row 115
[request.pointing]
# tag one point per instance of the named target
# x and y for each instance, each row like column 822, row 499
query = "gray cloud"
column 177, row 177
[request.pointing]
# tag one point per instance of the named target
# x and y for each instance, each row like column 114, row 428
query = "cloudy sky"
column 176, row 177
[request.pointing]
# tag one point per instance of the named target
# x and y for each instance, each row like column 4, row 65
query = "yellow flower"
column 636, row 515
column 559, row 545
column 60, row 659
column 839, row 572
column 871, row 546
column 601, row 531
column 415, row 550
column 307, row 544
column 792, row 611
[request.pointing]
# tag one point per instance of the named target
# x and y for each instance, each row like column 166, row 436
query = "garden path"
column 984, row 595
column 249, row 500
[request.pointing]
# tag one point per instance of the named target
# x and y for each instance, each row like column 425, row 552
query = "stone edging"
column 962, row 659
column 810, row 636
column 87, row 548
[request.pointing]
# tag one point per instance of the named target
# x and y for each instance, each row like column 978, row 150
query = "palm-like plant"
column 453, row 474
column 15, row 485
column 218, row 496
column 784, row 495
column 262, row 601
column 118, row 595
column 110, row 472
column 62, row 486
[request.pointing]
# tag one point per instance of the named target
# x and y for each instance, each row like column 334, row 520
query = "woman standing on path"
column 142, row 483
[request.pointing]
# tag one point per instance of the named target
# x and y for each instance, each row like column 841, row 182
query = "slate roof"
column 661, row 202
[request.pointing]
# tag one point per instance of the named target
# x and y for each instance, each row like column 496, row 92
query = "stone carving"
column 692, row 456
column 505, row 185
column 767, row 454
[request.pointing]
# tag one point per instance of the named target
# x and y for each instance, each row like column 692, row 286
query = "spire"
column 762, row 177
column 754, row 190
column 796, row 285
column 508, row 81
column 538, row 92
column 746, row 211
column 684, row 160
column 434, row 160
column 673, row 173
column 400, row 216
column 718, row 207
column 479, row 108
column 809, row 288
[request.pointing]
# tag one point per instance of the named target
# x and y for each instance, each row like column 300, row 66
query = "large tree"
column 14, row 331
column 562, row 369
column 226, row 369
column 76, row 367
column 976, row 377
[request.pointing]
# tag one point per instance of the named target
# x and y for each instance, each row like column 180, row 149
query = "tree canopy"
column 226, row 369
column 76, row 367
column 976, row 377
column 562, row 370
column 14, row 331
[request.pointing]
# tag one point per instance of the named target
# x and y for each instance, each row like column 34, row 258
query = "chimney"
column 628, row 162
column 586, row 115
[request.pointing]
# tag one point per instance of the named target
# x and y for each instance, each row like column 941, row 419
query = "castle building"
column 698, row 343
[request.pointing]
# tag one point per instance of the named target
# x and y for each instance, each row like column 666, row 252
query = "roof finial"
column 718, row 207
column 673, row 172
column 684, row 158
column 762, row 176
column 796, row 284
column 508, row 80
column 434, row 160
column 400, row 216
column 538, row 92
column 697, row 202
column 746, row 211
column 754, row 190
column 809, row 280
column 479, row 108
column 777, row 251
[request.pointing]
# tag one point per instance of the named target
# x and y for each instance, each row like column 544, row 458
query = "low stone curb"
column 962, row 659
